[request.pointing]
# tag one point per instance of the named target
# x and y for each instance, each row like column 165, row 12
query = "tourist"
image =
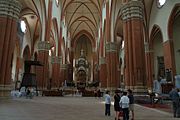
column 117, row 108
column 99, row 93
column 107, row 104
column 131, row 102
column 124, row 103
column 175, row 100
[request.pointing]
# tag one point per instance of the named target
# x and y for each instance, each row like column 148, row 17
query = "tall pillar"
column 63, row 73
column 71, row 64
column 112, row 65
column 9, row 14
column 135, row 74
column 149, row 66
column 42, row 73
column 56, row 61
column 102, row 72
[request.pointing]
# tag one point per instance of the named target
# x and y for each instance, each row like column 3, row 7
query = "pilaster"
column 42, row 74
column 112, row 65
column 102, row 72
column 56, row 61
column 63, row 73
column 149, row 65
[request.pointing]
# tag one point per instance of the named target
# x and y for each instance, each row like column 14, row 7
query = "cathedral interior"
column 107, row 44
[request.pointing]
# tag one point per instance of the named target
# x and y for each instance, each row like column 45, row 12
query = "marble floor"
column 68, row 108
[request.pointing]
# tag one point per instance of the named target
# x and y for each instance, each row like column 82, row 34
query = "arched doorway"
column 173, row 32
column 156, row 45
column 176, row 41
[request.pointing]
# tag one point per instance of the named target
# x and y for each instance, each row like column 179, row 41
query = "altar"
column 82, row 71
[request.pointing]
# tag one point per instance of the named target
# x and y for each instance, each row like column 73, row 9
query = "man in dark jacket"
column 175, row 100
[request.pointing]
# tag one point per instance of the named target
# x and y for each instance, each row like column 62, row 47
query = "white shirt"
column 124, row 102
column 107, row 99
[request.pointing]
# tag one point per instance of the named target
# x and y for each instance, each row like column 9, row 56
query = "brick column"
column 71, row 64
column 63, row 74
column 112, row 65
column 132, row 16
column 149, row 66
column 56, row 61
column 9, row 12
column 42, row 74
column 102, row 72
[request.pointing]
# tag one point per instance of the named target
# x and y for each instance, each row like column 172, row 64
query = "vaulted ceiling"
column 82, row 15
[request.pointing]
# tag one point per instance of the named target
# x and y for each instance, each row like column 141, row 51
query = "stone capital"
column 44, row 46
column 10, row 8
column 56, row 59
column 6, row 87
column 147, row 48
column 132, row 9
column 111, row 47
column 63, row 66
column 72, row 49
column 93, row 50
column 102, row 60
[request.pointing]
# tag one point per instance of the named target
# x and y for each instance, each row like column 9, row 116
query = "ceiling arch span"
column 98, row 7
column 26, row 53
column 79, row 8
column 80, row 18
column 155, row 30
column 79, row 25
column 174, row 14
column 76, row 11
column 78, row 35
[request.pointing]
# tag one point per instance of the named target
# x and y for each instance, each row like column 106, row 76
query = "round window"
column 57, row 2
column 23, row 26
column 160, row 3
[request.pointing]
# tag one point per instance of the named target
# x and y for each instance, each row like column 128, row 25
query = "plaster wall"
column 160, row 16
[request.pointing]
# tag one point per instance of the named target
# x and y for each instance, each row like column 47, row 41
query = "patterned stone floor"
column 68, row 108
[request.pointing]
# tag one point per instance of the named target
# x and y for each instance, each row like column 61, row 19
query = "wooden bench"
column 51, row 93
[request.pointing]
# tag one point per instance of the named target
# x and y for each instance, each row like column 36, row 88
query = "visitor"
column 107, row 104
column 124, row 103
column 175, row 101
column 28, row 93
column 99, row 93
column 117, row 108
column 157, row 85
column 131, row 102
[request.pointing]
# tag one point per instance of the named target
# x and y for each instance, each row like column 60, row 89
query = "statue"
column 82, row 53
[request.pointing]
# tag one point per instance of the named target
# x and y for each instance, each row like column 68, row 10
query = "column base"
column 5, row 91
column 104, row 89
column 138, row 89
